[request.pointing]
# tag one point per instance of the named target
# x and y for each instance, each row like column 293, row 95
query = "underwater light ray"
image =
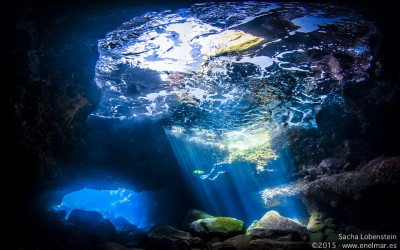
column 222, row 187
column 220, row 84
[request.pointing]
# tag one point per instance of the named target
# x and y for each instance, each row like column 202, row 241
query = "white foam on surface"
column 195, row 57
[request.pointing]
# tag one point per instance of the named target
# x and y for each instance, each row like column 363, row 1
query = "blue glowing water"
column 217, row 170
column 233, row 189
column 111, row 203
column 167, row 67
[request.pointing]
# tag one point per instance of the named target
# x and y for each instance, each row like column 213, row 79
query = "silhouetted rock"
column 122, row 224
column 248, row 242
column 85, row 218
column 115, row 246
column 262, row 244
column 58, row 214
column 275, row 234
column 351, row 193
column 239, row 242
column 105, row 230
column 193, row 215
column 316, row 237
column 167, row 237
column 127, row 233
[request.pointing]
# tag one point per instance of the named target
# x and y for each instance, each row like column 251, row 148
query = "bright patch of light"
column 250, row 144
column 111, row 203
column 198, row 135
column 277, row 196
column 164, row 77
column 172, row 50
column 245, row 139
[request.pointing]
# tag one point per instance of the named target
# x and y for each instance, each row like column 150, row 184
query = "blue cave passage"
column 111, row 204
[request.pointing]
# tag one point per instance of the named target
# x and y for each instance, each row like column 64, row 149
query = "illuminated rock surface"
column 272, row 220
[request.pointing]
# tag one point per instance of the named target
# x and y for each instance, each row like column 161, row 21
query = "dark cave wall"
column 52, row 56
column 53, row 146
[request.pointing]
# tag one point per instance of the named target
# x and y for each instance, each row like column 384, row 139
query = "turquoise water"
column 112, row 203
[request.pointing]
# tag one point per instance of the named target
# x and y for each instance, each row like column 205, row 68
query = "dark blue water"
column 181, row 95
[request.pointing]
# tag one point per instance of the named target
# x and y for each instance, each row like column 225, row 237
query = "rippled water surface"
column 230, row 65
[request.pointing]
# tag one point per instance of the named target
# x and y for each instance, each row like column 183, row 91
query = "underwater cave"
column 202, row 124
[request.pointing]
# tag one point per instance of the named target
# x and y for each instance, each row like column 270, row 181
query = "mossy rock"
column 193, row 215
column 315, row 223
column 316, row 228
column 217, row 226
column 252, row 227
column 316, row 237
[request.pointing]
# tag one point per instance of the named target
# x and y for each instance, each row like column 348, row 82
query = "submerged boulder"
column 350, row 194
column 316, row 237
column 105, row 230
column 85, row 218
column 275, row 234
column 217, row 226
column 238, row 242
column 115, row 246
column 245, row 242
column 92, row 224
column 167, row 237
column 122, row 224
column 315, row 223
column 272, row 220
column 128, row 234
column 207, row 226
column 193, row 215
column 262, row 244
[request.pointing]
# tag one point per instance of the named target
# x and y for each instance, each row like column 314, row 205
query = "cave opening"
column 112, row 204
